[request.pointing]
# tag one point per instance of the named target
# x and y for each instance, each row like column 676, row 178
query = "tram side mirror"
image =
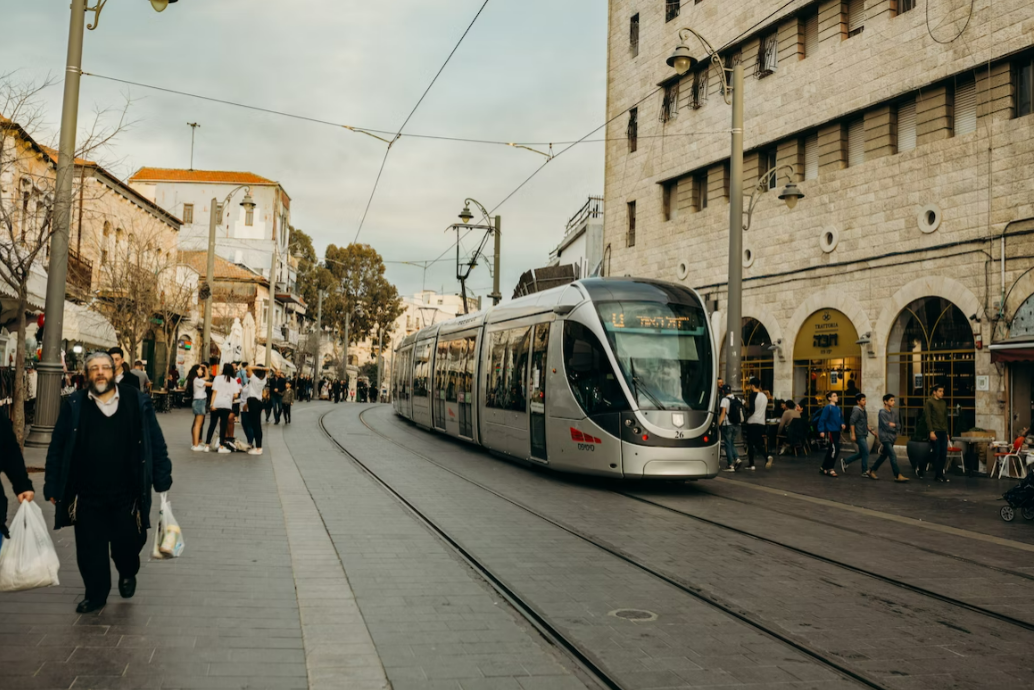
column 563, row 309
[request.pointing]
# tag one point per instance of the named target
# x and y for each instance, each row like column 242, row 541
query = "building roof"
column 198, row 176
column 54, row 155
column 224, row 270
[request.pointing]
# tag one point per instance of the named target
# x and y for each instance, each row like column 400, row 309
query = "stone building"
column 908, row 261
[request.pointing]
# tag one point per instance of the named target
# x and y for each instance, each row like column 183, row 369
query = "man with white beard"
column 106, row 453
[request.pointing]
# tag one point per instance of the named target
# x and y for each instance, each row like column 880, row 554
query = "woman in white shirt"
column 253, row 404
column 198, row 386
column 225, row 390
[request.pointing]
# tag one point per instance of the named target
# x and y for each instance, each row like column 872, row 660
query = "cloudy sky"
column 529, row 71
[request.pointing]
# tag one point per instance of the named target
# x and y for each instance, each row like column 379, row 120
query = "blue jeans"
column 277, row 408
column 863, row 454
column 731, row 432
column 887, row 453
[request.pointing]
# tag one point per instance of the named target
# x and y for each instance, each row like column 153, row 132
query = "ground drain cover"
column 635, row 615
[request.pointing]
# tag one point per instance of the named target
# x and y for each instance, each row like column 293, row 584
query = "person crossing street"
column 831, row 424
column 106, row 454
column 860, row 430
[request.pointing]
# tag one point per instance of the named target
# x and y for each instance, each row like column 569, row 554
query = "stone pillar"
column 832, row 147
column 934, row 115
column 791, row 152
column 751, row 169
column 996, row 93
column 791, row 40
column 881, row 132
column 875, row 8
column 832, row 21
column 718, row 182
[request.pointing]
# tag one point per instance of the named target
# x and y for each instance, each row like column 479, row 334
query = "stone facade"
column 861, row 240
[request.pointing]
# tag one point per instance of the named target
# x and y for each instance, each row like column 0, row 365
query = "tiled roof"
column 54, row 156
column 224, row 270
column 179, row 175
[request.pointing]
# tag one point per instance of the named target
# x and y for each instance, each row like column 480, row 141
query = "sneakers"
column 843, row 466
column 730, row 468
column 224, row 449
column 768, row 464
column 198, row 448
column 255, row 451
column 205, row 448
column 750, row 467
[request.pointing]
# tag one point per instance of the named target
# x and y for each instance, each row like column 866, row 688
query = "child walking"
column 287, row 401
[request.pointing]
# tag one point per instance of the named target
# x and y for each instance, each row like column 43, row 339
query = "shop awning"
column 1013, row 350
column 83, row 325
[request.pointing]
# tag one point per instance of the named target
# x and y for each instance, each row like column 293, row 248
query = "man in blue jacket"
column 106, row 453
column 831, row 423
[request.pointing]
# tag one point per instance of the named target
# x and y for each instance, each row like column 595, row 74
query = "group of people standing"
column 747, row 416
column 238, row 391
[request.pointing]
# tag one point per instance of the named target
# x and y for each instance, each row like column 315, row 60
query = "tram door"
column 440, row 385
column 537, row 391
column 465, row 385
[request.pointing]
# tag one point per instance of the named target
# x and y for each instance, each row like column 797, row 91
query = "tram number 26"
column 587, row 446
column 824, row 340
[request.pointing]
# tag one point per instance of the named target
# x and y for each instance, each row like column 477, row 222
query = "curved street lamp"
column 466, row 216
column 213, row 222
column 790, row 194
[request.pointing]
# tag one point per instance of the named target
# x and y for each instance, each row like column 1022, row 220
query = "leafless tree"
column 27, row 188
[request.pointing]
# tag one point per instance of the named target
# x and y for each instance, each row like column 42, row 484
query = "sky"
column 528, row 71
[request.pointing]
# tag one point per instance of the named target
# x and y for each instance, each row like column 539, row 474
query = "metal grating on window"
column 906, row 126
column 631, row 223
column 670, row 102
column 855, row 16
column 855, row 143
column 671, row 9
column 811, row 156
column 966, row 107
column 633, row 35
column 906, row 5
column 768, row 56
column 700, row 85
column 633, row 130
column 811, row 35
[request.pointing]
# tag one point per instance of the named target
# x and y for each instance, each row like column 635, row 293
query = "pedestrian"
column 286, row 401
column 860, row 429
column 12, row 463
column 253, row 405
column 198, row 386
column 730, row 418
column 225, row 390
column 122, row 368
column 887, row 435
column 140, row 373
column 243, row 379
column 335, row 391
column 790, row 413
column 276, row 394
column 755, row 426
column 172, row 380
column 106, row 454
column 831, row 424
column 936, row 412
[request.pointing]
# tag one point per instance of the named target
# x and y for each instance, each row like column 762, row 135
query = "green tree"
column 359, row 290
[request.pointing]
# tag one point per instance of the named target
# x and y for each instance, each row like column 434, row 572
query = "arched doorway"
column 931, row 343
column 756, row 355
column 826, row 358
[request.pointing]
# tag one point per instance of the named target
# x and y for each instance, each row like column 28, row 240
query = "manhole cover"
column 636, row 615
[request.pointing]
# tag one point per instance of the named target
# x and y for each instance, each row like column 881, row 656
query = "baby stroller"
column 1021, row 496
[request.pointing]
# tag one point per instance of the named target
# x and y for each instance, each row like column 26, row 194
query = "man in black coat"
column 122, row 375
column 106, row 453
column 12, row 463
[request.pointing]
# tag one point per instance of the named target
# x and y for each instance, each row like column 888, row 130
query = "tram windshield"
column 664, row 351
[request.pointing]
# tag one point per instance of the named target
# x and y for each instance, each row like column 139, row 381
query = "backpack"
column 735, row 413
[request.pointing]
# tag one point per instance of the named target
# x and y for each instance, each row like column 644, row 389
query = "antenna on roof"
column 193, row 128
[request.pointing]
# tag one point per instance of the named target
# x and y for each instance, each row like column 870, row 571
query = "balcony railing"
column 80, row 276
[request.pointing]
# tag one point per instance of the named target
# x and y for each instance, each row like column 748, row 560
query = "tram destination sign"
column 651, row 318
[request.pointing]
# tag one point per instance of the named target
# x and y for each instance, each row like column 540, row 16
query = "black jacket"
column 12, row 463
column 130, row 379
column 153, row 454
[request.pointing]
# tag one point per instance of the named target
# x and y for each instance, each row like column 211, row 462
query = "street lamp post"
column 466, row 216
column 214, row 220
column 683, row 61
column 50, row 369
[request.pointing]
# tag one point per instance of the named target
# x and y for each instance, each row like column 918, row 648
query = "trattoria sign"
column 827, row 334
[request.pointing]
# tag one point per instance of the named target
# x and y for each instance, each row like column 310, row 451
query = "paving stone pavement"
column 845, row 614
column 578, row 587
column 224, row 615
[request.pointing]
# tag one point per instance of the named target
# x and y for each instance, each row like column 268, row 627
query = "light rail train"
column 605, row 376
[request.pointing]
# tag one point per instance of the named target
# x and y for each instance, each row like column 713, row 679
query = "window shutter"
column 811, row 156
column 906, row 126
column 965, row 108
column 855, row 15
column 811, row 35
column 855, row 143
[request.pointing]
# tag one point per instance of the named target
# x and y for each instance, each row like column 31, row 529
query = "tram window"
column 440, row 368
column 592, row 379
column 516, row 379
column 454, row 364
column 422, row 370
column 507, row 364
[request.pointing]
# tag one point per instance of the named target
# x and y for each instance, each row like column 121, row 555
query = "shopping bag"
column 28, row 559
column 168, row 538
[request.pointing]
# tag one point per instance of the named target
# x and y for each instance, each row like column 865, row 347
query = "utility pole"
column 206, row 338
column 496, row 295
column 380, row 360
column 272, row 305
column 319, row 335
column 733, row 365
column 193, row 128
column 348, row 323
column 50, row 368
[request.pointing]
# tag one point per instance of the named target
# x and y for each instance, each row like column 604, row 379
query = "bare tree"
column 27, row 188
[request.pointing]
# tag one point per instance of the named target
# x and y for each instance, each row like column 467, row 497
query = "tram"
column 604, row 376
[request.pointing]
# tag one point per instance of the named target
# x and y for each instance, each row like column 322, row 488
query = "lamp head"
column 160, row 5
column 681, row 59
column 465, row 215
column 791, row 194
column 865, row 339
column 248, row 203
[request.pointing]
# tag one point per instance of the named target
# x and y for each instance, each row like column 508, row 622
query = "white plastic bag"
column 168, row 539
column 28, row 559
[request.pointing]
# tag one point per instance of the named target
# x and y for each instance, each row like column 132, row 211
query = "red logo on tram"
column 581, row 437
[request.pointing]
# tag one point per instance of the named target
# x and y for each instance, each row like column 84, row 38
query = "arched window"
column 931, row 343
column 756, row 357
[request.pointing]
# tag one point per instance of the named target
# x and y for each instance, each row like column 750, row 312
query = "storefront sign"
column 185, row 343
column 827, row 334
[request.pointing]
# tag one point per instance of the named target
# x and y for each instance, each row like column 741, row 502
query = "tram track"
column 539, row 621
